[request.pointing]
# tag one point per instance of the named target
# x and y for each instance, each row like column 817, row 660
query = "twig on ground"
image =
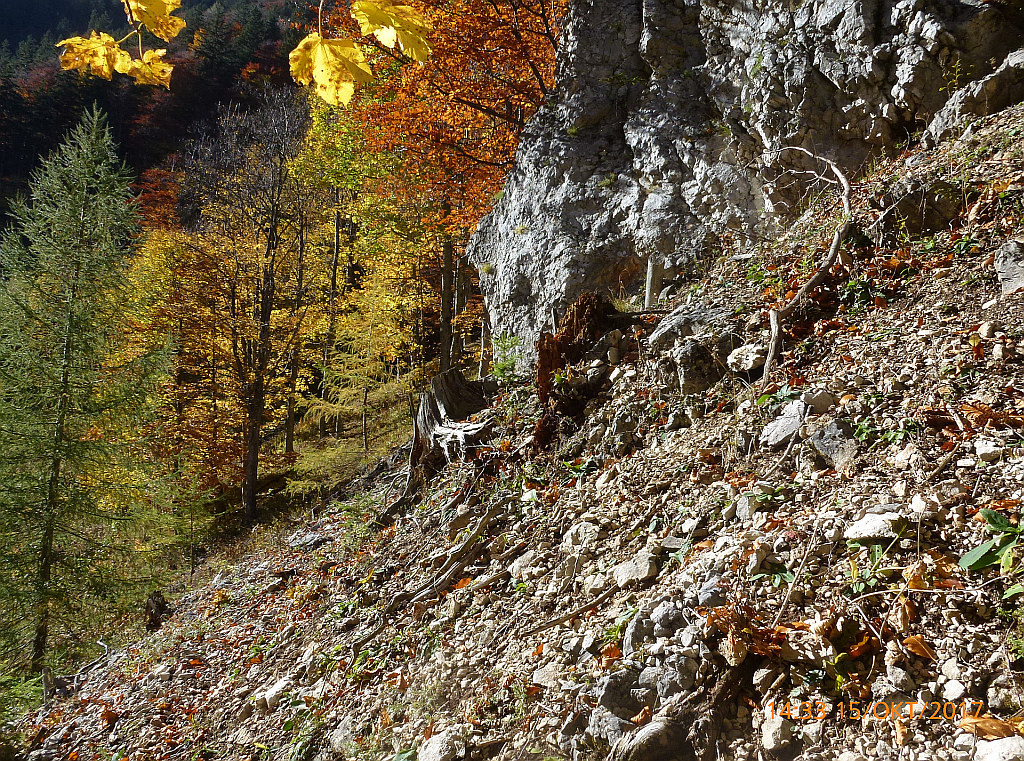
column 943, row 464
column 572, row 614
column 796, row 577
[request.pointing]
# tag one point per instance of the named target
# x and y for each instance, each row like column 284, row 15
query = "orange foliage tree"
column 455, row 120
column 457, row 117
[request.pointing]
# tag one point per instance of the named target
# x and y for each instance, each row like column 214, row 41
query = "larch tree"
column 74, row 391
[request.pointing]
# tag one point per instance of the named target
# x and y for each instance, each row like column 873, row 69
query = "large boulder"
column 668, row 120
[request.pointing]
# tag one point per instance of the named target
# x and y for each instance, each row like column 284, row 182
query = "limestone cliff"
column 665, row 129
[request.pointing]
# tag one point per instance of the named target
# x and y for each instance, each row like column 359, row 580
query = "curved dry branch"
column 776, row 316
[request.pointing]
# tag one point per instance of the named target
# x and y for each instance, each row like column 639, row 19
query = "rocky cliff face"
column 668, row 122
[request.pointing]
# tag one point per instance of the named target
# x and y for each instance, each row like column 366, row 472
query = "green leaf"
column 997, row 521
column 1013, row 591
column 980, row 557
column 1006, row 557
column 405, row 755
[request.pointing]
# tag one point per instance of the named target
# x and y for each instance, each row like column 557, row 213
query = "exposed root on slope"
column 687, row 727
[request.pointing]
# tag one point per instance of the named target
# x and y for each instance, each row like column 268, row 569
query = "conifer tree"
column 73, row 392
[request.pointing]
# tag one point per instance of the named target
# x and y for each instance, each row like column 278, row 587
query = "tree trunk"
column 447, row 289
column 254, row 413
column 44, row 573
column 438, row 435
column 42, row 629
column 485, row 364
column 332, row 297
column 655, row 273
column 257, row 398
column 366, row 439
column 289, row 425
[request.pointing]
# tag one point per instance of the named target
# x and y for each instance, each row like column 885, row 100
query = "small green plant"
column 572, row 130
column 506, row 357
column 775, row 399
column 998, row 550
column 521, row 229
column 778, row 574
column 615, row 631
column 866, row 432
column 608, row 181
column 905, row 430
column 486, row 268
column 866, row 578
column 954, row 76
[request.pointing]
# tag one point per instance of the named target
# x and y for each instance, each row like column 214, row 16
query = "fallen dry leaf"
column 919, row 647
column 643, row 717
column 109, row 716
column 609, row 654
column 987, row 727
column 900, row 729
column 914, row 575
column 862, row 647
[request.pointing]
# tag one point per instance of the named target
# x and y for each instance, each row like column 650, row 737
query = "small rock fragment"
column 1004, row 749
column 640, row 568
column 747, row 358
column 1009, row 264
column 874, row 526
column 780, row 431
column 776, row 732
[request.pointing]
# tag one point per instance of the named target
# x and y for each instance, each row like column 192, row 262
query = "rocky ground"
column 706, row 563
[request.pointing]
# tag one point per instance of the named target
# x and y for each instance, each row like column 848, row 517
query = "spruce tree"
column 72, row 392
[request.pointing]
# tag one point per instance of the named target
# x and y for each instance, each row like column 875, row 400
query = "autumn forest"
column 233, row 252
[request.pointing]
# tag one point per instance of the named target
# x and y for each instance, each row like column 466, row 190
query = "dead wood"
column 572, row 614
column 776, row 316
column 440, row 433
column 686, row 727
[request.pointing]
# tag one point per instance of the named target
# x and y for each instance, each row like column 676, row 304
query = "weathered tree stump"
column 441, row 433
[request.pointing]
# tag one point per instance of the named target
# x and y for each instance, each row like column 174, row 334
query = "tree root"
column 687, row 727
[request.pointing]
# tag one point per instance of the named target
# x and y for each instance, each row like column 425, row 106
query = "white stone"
column 987, row 450
column 640, row 568
column 776, row 732
column 580, row 535
column 1005, row 749
column 953, row 690
column 547, row 676
column 819, row 400
column 746, row 358
column 270, row 699
column 873, row 526
column 444, row 746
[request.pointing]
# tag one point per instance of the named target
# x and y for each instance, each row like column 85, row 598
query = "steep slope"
column 666, row 130
column 673, row 552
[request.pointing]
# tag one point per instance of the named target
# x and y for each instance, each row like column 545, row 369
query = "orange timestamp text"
column 815, row 710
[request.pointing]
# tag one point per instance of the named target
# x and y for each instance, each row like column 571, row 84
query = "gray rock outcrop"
column 666, row 126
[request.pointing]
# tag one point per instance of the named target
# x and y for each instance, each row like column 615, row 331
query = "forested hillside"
column 283, row 276
column 517, row 379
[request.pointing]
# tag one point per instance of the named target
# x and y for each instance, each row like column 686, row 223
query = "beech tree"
column 73, row 391
column 256, row 214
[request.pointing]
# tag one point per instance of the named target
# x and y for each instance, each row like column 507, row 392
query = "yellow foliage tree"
column 333, row 66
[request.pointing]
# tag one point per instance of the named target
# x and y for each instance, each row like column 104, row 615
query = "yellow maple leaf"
column 394, row 25
column 334, row 66
column 151, row 70
column 99, row 53
column 156, row 16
